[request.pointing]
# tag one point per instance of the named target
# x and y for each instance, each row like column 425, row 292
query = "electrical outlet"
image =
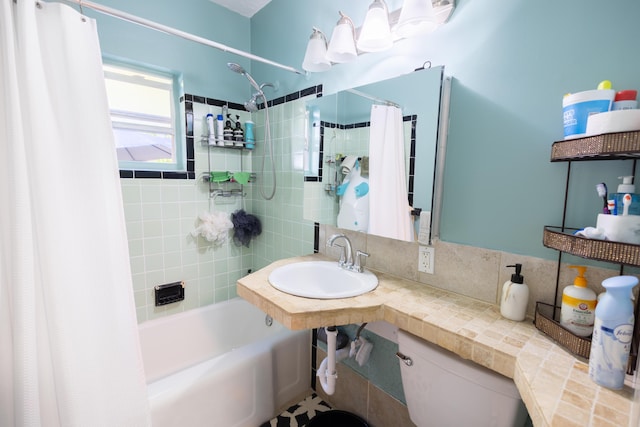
column 426, row 259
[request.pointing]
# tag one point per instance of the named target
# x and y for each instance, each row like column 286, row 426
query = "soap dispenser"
column 515, row 296
column 228, row 133
column 577, row 312
column 238, row 135
column 627, row 187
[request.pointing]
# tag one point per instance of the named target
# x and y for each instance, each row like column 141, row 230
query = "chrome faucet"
column 346, row 254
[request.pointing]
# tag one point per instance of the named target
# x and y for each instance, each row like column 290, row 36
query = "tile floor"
column 299, row 414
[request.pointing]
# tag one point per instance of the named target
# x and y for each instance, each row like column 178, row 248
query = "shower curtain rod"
column 179, row 33
column 373, row 98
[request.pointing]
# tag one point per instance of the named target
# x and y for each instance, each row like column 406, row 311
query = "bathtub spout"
column 327, row 371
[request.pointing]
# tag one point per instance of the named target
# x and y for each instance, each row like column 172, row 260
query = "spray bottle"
column 612, row 333
column 578, row 305
column 515, row 296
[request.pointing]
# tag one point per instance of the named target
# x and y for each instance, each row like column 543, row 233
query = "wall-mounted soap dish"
column 168, row 293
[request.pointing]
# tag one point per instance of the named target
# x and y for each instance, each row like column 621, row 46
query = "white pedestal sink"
column 322, row 280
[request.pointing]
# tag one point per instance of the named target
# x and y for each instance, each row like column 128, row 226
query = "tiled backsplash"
column 467, row 270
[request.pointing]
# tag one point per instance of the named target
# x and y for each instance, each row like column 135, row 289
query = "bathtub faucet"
column 346, row 254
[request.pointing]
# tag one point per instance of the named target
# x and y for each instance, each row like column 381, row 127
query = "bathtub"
column 221, row 365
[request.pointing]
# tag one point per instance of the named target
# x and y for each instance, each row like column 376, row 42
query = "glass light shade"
column 416, row 17
column 342, row 47
column 375, row 34
column 315, row 58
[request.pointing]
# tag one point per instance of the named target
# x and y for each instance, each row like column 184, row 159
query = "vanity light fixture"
column 380, row 30
column 375, row 34
column 416, row 17
column 315, row 58
column 342, row 47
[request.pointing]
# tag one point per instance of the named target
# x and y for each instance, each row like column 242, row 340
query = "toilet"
column 444, row 390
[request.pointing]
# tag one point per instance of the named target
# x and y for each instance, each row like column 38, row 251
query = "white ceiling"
column 244, row 7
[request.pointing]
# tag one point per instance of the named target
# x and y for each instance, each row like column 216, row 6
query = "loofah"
column 213, row 227
column 246, row 227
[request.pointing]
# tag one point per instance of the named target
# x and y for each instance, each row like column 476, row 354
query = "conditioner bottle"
column 612, row 333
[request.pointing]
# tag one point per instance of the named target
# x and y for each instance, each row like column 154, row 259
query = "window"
column 143, row 108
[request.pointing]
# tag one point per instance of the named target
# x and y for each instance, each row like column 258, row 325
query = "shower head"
column 237, row 68
column 252, row 104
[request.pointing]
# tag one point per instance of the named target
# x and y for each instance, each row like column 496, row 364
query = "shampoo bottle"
column 249, row 135
column 612, row 333
column 228, row 133
column 578, row 305
column 238, row 135
column 220, row 129
column 211, row 129
column 515, row 296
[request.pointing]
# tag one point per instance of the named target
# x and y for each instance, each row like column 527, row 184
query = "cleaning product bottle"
column 578, row 305
column 515, row 296
column 612, row 333
column 627, row 187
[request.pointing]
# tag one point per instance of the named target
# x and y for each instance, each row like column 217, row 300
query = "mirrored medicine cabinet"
column 338, row 126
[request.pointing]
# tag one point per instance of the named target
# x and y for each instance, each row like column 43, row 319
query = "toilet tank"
column 442, row 389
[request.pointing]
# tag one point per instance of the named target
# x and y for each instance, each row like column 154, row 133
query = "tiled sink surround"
column 553, row 383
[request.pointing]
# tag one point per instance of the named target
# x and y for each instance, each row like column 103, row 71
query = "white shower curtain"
column 69, row 350
column 389, row 210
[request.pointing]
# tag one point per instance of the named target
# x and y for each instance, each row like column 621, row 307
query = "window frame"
column 179, row 138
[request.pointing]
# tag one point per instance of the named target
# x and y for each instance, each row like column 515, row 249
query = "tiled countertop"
column 554, row 384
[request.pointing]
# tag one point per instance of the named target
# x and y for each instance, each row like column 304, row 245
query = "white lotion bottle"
column 515, row 296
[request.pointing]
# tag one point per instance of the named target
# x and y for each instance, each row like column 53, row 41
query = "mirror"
column 338, row 128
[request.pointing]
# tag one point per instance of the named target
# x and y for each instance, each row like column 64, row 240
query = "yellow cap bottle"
column 577, row 313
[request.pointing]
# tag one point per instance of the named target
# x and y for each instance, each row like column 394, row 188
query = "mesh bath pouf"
column 245, row 227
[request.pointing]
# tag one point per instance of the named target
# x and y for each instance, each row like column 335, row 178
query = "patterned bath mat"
column 299, row 414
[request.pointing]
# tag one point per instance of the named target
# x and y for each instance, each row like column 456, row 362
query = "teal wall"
column 203, row 68
column 511, row 63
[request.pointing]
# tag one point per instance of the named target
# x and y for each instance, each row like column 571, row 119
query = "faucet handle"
column 357, row 266
column 343, row 254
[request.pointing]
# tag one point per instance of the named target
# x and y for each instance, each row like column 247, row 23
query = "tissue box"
column 620, row 228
